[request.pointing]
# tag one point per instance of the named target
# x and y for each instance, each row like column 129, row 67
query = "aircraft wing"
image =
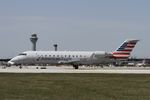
column 68, row 62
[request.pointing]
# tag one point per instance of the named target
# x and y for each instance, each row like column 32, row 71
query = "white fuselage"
column 75, row 58
column 62, row 57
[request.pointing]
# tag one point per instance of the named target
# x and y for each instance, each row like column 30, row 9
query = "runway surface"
column 70, row 69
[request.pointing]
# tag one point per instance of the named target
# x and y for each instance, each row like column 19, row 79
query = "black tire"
column 20, row 67
column 76, row 66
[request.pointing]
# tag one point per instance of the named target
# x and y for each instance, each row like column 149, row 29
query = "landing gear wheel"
column 20, row 67
column 76, row 66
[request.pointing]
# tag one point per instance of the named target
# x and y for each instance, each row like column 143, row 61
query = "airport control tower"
column 55, row 47
column 34, row 39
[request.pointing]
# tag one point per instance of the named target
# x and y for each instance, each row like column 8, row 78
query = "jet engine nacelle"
column 102, row 54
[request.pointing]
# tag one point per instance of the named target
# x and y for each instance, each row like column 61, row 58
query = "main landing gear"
column 76, row 66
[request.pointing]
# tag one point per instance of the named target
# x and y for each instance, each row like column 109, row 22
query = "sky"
column 76, row 25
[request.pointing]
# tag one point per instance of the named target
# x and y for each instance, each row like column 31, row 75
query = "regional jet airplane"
column 74, row 58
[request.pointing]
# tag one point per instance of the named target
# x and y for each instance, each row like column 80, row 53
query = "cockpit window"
column 23, row 54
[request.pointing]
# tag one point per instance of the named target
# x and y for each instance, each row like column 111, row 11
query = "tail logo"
column 125, row 49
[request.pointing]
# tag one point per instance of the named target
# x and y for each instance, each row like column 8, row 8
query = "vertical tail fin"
column 124, row 51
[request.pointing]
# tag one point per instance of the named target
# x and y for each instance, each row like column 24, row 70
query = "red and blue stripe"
column 125, row 49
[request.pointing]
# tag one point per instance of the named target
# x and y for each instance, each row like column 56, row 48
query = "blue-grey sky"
column 74, row 25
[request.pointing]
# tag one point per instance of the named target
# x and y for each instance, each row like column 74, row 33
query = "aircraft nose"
column 10, row 63
column 13, row 61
